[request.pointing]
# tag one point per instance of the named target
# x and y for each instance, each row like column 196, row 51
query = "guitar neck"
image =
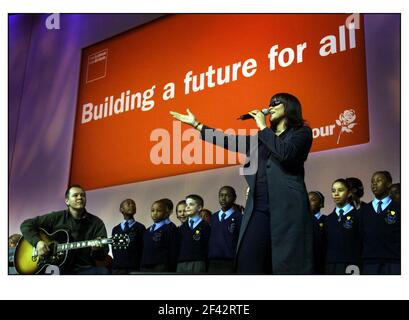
column 81, row 244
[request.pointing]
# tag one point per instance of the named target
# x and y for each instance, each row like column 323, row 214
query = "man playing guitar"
column 80, row 226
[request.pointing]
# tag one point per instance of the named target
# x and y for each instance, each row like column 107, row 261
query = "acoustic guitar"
column 27, row 260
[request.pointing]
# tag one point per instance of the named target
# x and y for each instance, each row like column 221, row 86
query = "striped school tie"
column 341, row 212
column 379, row 208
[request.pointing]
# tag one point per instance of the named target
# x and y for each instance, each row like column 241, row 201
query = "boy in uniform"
column 129, row 259
column 225, row 225
column 194, row 238
column 380, row 227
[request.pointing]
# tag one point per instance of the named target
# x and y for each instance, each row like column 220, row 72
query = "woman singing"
column 276, row 231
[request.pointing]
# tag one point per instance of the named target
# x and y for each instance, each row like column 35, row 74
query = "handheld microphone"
column 247, row 116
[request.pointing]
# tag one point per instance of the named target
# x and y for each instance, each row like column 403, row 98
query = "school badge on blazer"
column 232, row 226
column 391, row 217
column 196, row 235
column 132, row 236
column 348, row 223
column 157, row 236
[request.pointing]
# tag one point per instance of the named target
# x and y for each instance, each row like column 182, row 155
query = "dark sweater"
column 160, row 247
column 381, row 233
column 343, row 238
column 224, row 236
column 90, row 227
column 320, row 243
column 129, row 258
column 194, row 243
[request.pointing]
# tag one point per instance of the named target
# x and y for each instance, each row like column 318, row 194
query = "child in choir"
column 381, row 225
column 225, row 225
column 206, row 215
column 128, row 259
column 160, row 241
column 342, row 232
column 194, row 238
column 180, row 211
column 169, row 208
column 357, row 192
column 395, row 192
column 316, row 199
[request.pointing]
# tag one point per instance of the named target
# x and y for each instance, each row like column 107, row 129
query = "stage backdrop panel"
column 219, row 66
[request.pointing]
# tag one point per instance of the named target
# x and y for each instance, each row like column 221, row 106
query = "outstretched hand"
column 188, row 118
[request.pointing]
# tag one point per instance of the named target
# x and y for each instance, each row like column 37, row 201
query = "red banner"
column 219, row 66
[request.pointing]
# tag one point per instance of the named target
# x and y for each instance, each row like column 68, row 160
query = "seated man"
column 80, row 225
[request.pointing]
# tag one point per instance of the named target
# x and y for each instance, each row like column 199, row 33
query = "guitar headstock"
column 120, row 241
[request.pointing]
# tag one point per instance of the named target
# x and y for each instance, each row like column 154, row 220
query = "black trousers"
column 155, row 268
column 123, row 271
column 254, row 255
column 89, row 271
column 221, row 266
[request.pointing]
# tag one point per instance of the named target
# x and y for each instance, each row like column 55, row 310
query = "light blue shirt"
column 385, row 202
column 348, row 207
column 131, row 222
column 318, row 215
column 196, row 220
column 167, row 221
column 228, row 213
column 157, row 225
